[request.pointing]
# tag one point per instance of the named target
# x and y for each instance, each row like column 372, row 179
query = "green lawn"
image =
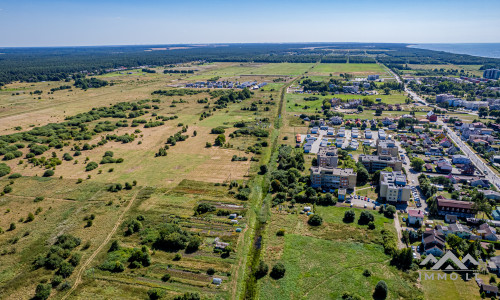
column 323, row 269
column 334, row 214
column 393, row 98
column 449, row 289
column 292, row 99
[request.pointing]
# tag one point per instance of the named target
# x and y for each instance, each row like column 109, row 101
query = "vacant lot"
column 349, row 249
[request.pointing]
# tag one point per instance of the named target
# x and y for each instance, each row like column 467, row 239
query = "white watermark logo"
column 448, row 262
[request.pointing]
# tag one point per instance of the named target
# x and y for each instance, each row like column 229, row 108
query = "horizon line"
column 243, row 43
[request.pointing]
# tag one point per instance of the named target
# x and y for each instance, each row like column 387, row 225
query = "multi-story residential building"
column 461, row 209
column 443, row 97
column 491, row 73
column 332, row 178
column 387, row 147
column 327, row 157
column 393, row 187
column 374, row 163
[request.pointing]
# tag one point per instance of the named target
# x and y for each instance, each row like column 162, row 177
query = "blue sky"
column 125, row 22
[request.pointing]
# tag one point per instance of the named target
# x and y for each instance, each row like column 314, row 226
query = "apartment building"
column 393, row 187
column 327, row 157
column 374, row 163
column 332, row 178
column 387, row 147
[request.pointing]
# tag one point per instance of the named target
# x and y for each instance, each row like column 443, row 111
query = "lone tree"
column 380, row 290
column 278, row 271
column 349, row 216
column 315, row 220
column 365, row 218
column 261, row 270
column 220, row 140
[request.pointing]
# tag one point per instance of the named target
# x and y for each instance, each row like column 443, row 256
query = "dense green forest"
column 53, row 64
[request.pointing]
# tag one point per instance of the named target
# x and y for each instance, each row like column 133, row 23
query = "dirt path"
column 78, row 278
column 398, row 230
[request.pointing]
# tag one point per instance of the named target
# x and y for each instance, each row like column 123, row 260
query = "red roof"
column 415, row 213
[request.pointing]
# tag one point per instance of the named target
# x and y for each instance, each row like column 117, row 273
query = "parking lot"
column 361, row 201
column 416, row 196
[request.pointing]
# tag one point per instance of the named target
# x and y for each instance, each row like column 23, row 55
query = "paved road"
column 480, row 165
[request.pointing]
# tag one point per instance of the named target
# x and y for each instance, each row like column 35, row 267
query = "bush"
column 48, row 173
column 280, row 232
column 367, row 273
column 91, row 166
column 165, row 278
column 155, row 293
column 75, row 258
column 12, row 227
column 203, row 208
column 67, row 156
column 14, row 176
column 380, row 290
column 65, row 269
column 261, row 270
column 42, row 291
column 210, row 271
column 349, row 216
column 38, row 199
column 188, row 296
column 7, row 189
column 193, row 244
column 218, row 130
column 177, row 257
column 365, row 218
column 263, row 169
column 278, row 271
column 315, row 220
column 56, row 280
column 30, row 218
column 114, row 246
column 4, row 169
column 371, row 225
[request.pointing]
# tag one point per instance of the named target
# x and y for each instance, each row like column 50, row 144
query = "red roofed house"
column 415, row 216
column 432, row 117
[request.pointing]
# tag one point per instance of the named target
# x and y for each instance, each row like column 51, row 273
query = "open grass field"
column 349, row 249
column 471, row 69
column 358, row 70
column 168, row 187
column 449, row 289
column 284, row 69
